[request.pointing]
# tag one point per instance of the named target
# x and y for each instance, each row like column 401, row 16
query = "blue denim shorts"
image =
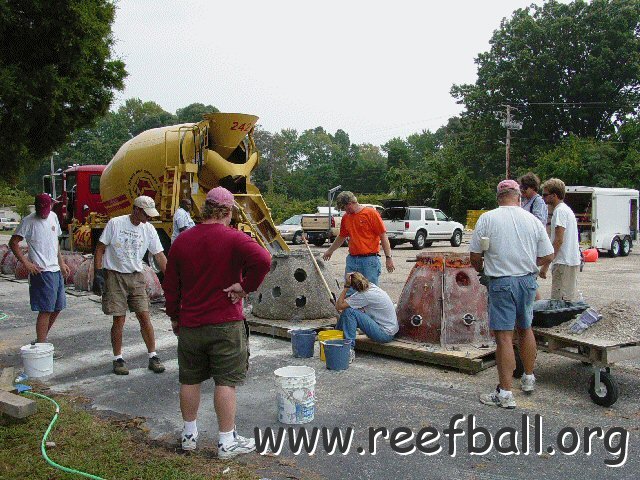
column 511, row 302
column 46, row 292
column 370, row 267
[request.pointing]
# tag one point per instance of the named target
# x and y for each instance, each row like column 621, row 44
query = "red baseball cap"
column 508, row 185
column 221, row 196
column 43, row 204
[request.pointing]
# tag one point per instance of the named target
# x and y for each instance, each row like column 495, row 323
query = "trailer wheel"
column 614, row 251
column 318, row 242
column 297, row 238
column 625, row 246
column 607, row 393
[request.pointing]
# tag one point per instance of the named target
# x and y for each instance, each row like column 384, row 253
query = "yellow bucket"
column 328, row 335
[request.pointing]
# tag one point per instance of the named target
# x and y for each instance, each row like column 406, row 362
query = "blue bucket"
column 337, row 354
column 302, row 342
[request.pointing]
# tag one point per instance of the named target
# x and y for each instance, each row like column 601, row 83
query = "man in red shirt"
column 365, row 230
column 210, row 269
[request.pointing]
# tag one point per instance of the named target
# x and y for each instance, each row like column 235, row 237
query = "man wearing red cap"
column 508, row 245
column 120, row 280
column 211, row 268
column 45, row 264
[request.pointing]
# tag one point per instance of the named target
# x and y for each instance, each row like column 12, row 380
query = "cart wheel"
column 519, row 370
column 607, row 394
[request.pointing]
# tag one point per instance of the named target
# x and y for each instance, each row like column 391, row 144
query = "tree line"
column 569, row 72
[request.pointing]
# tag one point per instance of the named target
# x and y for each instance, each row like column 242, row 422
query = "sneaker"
column 527, row 385
column 189, row 442
column 352, row 355
column 496, row 400
column 119, row 367
column 239, row 446
column 156, row 365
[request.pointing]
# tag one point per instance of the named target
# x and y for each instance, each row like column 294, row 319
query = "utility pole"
column 53, row 178
column 509, row 124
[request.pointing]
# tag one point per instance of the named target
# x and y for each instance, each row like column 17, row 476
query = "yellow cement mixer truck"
column 172, row 163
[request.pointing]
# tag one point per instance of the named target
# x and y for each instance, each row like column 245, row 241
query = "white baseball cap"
column 147, row 204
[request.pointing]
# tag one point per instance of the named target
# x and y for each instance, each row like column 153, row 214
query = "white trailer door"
column 611, row 218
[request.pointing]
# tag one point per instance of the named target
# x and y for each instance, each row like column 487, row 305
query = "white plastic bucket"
column 295, row 394
column 37, row 359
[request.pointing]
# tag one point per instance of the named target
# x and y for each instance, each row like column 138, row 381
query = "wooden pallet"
column 586, row 348
column 465, row 358
column 280, row 328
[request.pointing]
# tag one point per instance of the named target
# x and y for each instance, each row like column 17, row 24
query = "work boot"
column 156, row 365
column 119, row 367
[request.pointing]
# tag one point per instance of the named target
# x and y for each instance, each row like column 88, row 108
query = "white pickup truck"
column 419, row 225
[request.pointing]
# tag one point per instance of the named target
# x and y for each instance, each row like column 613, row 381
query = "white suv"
column 419, row 225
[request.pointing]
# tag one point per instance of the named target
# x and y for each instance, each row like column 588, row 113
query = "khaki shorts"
column 218, row 351
column 122, row 290
column 564, row 282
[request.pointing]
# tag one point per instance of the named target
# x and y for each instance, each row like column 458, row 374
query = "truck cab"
column 77, row 193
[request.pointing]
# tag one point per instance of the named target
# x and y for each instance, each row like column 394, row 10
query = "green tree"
column 194, row 112
column 398, row 153
column 57, row 74
column 568, row 68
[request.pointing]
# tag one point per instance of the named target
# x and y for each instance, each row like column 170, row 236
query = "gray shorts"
column 511, row 302
column 122, row 290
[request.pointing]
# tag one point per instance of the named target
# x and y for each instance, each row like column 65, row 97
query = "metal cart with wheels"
column 600, row 353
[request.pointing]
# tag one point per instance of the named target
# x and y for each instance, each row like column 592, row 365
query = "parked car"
column 8, row 224
column 291, row 229
column 419, row 225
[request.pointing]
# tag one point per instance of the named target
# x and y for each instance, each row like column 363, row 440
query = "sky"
column 376, row 70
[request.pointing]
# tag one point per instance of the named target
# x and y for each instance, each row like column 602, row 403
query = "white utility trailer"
column 607, row 217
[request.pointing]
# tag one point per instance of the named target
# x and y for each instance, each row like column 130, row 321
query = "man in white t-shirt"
column 119, row 276
column 44, row 263
column 182, row 219
column 564, row 237
column 517, row 245
column 369, row 308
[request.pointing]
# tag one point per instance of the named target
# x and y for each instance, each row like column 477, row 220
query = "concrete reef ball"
column 293, row 289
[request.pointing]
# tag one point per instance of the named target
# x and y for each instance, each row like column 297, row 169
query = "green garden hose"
column 46, row 435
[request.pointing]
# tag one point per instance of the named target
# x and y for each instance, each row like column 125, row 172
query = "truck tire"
column 318, row 242
column 625, row 246
column 297, row 238
column 456, row 239
column 614, row 251
column 420, row 241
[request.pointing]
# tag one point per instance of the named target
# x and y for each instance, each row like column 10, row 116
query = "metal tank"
column 186, row 161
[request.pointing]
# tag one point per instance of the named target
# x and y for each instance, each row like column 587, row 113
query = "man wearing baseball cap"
column 518, row 245
column 44, row 263
column 119, row 276
column 211, row 268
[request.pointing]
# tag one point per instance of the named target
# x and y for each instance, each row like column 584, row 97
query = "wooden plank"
column 583, row 339
column 280, row 328
column 621, row 354
column 466, row 358
column 16, row 406
column 6, row 379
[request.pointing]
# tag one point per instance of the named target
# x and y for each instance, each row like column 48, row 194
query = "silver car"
column 291, row 229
